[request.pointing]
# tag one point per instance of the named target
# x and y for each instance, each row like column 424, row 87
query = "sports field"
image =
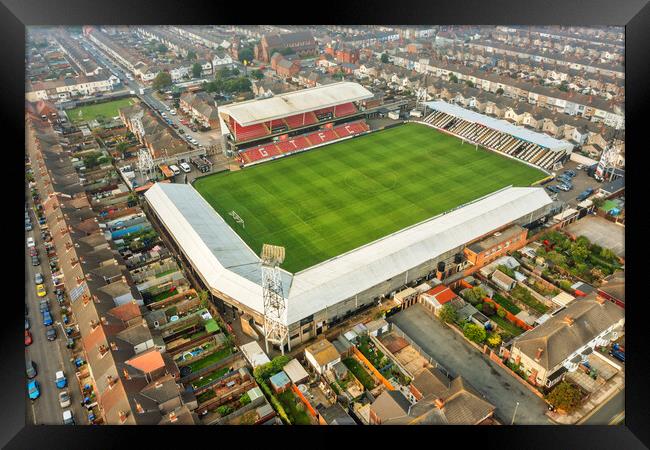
column 327, row 201
column 105, row 109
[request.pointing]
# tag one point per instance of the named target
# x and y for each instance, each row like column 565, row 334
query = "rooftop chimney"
column 568, row 320
column 440, row 403
column 600, row 300
column 126, row 374
column 173, row 417
column 123, row 416
column 538, row 355
column 139, row 408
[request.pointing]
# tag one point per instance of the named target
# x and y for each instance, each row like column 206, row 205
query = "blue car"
column 33, row 389
column 47, row 318
column 61, row 381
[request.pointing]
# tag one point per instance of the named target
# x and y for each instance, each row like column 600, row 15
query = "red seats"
column 259, row 153
column 297, row 120
column 250, row 132
column 344, row 110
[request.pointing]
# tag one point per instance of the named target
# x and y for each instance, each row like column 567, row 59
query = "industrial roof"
column 230, row 266
column 252, row 112
column 501, row 125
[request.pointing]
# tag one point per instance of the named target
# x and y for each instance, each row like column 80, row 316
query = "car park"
column 30, row 368
column 50, row 334
column 64, row 399
column 60, row 380
column 33, row 389
column 40, row 290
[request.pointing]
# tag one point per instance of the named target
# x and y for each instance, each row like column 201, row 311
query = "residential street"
column 456, row 355
column 612, row 411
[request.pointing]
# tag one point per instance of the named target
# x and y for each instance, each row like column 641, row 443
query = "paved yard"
column 602, row 232
column 451, row 351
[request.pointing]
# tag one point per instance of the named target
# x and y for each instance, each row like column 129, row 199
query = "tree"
column 122, row 147
column 474, row 333
column 563, row 87
column 162, row 48
column 565, row 396
column 494, row 340
column 191, row 55
column 453, row 78
column 475, row 295
column 488, row 309
column 92, row 160
column 246, row 54
column 469, row 83
column 257, row 74
column 499, row 91
column 578, row 252
column 447, row 314
column 608, row 255
column 597, row 202
column 244, row 399
column 385, row 59
column 197, row 70
column 224, row 410
column 163, row 80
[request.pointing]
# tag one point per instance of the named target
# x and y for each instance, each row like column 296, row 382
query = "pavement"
column 48, row 356
column 487, row 377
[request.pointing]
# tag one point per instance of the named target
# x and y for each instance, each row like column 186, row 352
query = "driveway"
column 457, row 356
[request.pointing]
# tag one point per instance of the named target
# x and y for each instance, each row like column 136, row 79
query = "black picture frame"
column 634, row 15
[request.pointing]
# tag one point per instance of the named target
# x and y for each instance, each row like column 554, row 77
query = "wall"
column 582, row 159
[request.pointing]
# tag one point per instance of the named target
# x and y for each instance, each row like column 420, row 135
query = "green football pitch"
column 327, row 201
column 107, row 110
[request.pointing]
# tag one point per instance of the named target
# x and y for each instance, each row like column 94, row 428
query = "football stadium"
column 361, row 215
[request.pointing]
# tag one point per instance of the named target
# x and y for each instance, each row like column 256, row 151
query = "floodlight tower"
column 275, row 305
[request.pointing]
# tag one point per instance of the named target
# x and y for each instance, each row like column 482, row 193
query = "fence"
column 424, row 354
column 373, row 369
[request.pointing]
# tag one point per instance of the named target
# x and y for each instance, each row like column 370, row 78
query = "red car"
column 28, row 338
column 33, row 251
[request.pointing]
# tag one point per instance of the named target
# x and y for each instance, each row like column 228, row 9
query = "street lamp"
column 514, row 414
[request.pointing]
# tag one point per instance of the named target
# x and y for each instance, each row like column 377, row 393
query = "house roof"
column 323, row 352
column 280, row 379
column 614, row 286
column 430, row 381
column 390, row 405
column 502, row 277
column 295, row 371
column 558, row 340
column 147, row 361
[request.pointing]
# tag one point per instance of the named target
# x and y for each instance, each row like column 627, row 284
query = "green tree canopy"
column 565, row 396
column 447, row 314
column 162, row 48
column 163, row 80
column 257, row 74
column 453, row 78
column 469, row 83
column 474, row 333
column 499, row 91
column 191, row 55
column 196, row 70
column 475, row 295
column 246, row 54
column 385, row 59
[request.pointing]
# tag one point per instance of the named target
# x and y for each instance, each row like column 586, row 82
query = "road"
column 611, row 413
column 48, row 356
column 457, row 356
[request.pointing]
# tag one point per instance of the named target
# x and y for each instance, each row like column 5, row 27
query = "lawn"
column 290, row 403
column 213, row 376
column 506, row 303
column 357, row 369
column 520, row 293
column 506, row 325
column 211, row 359
column 104, row 109
column 325, row 202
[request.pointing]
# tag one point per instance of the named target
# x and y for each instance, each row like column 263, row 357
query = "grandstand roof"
column 230, row 266
column 252, row 112
column 501, row 125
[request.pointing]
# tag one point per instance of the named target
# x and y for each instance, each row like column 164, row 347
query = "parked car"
column 553, row 189
column 60, row 380
column 563, row 187
column 40, row 290
column 185, row 167
column 38, row 278
column 584, row 194
column 68, row 418
column 31, row 369
column 28, row 226
column 28, row 338
column 64, row 399
column 36, row 261
column 50, row 334
column 33, row 251
column 26, row 323
column 44, row 305
column 47, row 318
column 33, row 389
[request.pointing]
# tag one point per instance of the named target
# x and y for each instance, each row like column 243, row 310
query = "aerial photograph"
column 324, row 225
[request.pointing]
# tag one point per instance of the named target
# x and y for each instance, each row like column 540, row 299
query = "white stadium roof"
column 252, row 112
column 229, row 265
column 501, row 125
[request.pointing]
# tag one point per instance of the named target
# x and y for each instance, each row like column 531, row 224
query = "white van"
column 175, row 169
column 186, row 167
